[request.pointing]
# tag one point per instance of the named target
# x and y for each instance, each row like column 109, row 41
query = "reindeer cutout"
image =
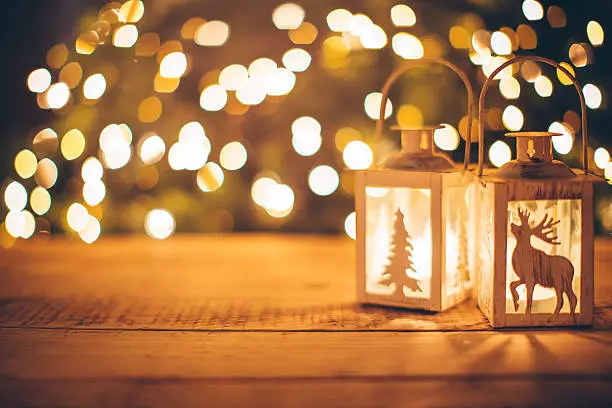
column 533, row 266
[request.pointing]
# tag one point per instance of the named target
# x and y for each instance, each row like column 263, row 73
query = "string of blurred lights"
column 117, row 35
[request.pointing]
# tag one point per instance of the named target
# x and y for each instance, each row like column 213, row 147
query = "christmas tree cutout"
column 400, row 260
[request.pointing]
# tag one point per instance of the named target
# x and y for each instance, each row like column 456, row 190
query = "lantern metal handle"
column 404, row 68
column 482, row 99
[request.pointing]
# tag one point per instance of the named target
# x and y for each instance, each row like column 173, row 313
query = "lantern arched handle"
column 406, row 67
column 485, row 89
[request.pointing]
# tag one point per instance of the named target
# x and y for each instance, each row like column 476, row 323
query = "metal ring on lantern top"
column 406, row 67
column 482, row 100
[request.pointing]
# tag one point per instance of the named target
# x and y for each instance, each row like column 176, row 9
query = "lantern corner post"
column 360, row 238
column 438, row 247
column 587, row 254
column 500, row 233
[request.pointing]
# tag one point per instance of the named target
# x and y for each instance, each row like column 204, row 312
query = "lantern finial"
column 418, row 152
column 534, row 158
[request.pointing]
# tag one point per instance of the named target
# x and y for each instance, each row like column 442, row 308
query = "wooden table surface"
column 265, row 320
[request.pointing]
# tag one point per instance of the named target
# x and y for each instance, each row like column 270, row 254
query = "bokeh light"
column 40, row 200
column 262, row 191
column 530, row 71
column 213, row 98
column 58, row 95
column 323, row 180
column 173, row 65
column 563, row 78
column 57, row 56
column 512, row 118
column 94, row 192
column 77, row 217
column 595, row 33
column 339, row 20
column 403, row 16
column 407, row 46
column 501, row 43
column 281, row 201
column 29, row 224
column 543, row 86
column 280, row 82
column 357, row 155
column 580, row 54
column 212, row 34
column 94, row 86
column 297, row 60
column 446, row 138
column 288, row 16
column 152, row 149
column 533, row 10
column 131, row 11
column 510, row 88
column 210, row 177
column 499, row 153
column 46, row 173
column 306, row 132
column 39, row 80
column 159, row 224
column 233, row 77
column 25, row 164
column 306, row 33
column 373, row 38
column 233, row 156
column 601, row 157
column 15, row 223
column 91, row 232
column 372, row 105
column 350, row 225
column 149, row 109
column 92, row 170
column 116, row 149
column 73, row 144
column 592, row 96
column 125, row 36
column 562, row 144
column 15, row 196
column 71, row 74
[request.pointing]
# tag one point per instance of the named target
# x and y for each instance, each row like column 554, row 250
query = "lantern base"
column 426, row 305
column 535, row 170
column 541, row 320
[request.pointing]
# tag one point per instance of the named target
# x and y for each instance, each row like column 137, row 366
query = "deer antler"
column 524, row 217
column 545, row 232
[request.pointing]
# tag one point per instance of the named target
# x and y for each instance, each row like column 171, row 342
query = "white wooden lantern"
column 535, row 230
column 412, row 219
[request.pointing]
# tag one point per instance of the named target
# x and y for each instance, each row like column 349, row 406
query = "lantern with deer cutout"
column 535, row 230
column 413, row 234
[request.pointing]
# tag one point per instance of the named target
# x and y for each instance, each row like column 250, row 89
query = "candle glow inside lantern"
column 535, row 230
column 413, row 234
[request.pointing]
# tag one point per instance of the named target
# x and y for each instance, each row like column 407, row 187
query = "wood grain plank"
column 29, row 354
column 329, row 393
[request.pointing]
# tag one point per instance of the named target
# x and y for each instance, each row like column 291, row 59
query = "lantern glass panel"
column 398, row 242
column 486, row 246
column 459, row 242
column 534, row 253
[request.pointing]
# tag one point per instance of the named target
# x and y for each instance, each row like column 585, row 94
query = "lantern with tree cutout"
column 535, row 229
column 413, row 237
